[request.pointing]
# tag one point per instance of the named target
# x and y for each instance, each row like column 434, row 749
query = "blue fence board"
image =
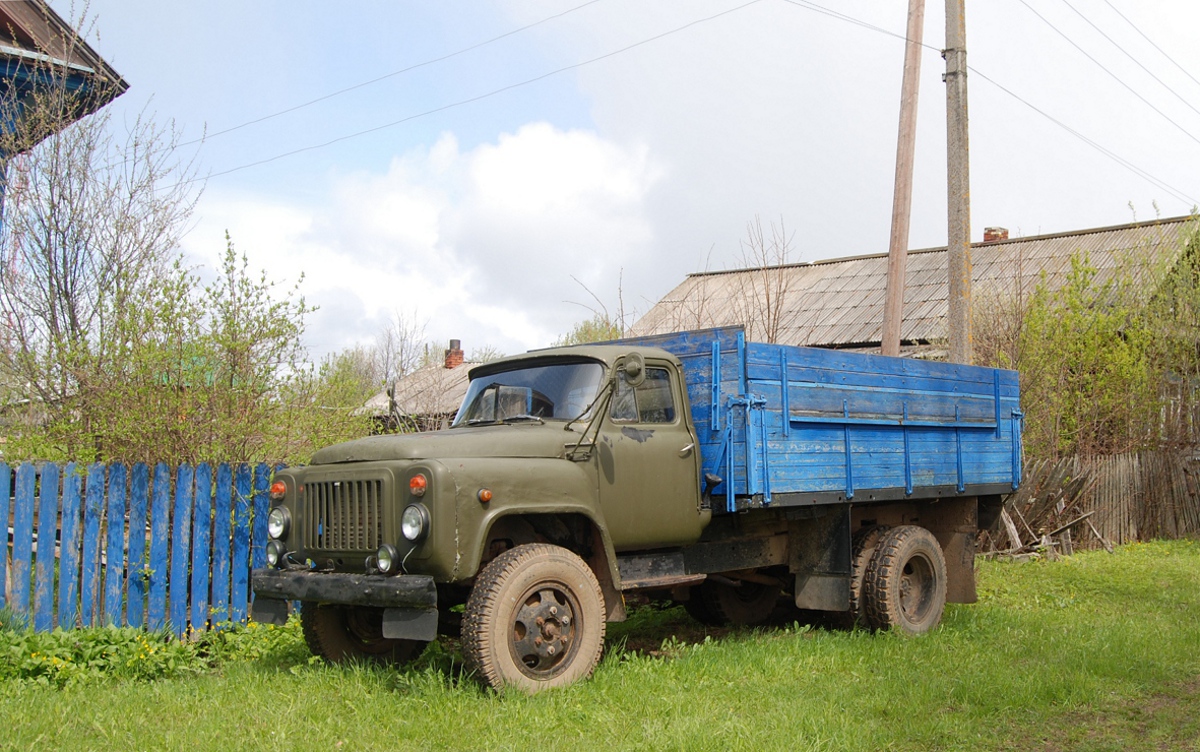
column 114, row 571
column 5, row 489
column 137, row 572
column 89, row 580
column 47, row 531
column 222, row 508
column 18, row 597
column 160, row 543
column 69, row 537
column 239, row 595
column 181, row 548
column 201, row 546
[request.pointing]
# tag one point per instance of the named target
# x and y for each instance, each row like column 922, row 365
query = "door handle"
column 687, row 450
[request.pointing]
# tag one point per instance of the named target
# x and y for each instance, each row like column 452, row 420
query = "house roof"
column 431, row 390
column 34, row 38
column 839, row 302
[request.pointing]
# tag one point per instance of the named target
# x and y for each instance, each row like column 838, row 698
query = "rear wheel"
column 534, row 620
column 905, row 582
column 343, row 634
column 864, row 544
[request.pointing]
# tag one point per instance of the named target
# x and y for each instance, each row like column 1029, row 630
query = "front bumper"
column 409, row 601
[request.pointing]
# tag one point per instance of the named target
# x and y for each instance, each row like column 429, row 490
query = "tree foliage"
column 599, row 328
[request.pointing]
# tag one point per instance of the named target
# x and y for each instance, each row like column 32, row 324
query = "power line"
column 1137, row 62
column 476, row 98
column 1151, row 41
column 1095, row 145
column 386, row 76
column 1114, row 76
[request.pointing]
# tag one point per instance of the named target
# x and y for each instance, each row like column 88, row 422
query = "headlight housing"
column 414, row 523
column 275, row 553
column 278, row 522
column 387, row 558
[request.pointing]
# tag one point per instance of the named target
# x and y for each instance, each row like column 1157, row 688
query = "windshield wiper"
column 481, row 421
column 523, row 417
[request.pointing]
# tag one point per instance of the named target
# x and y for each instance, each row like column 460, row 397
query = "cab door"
column 648, row 460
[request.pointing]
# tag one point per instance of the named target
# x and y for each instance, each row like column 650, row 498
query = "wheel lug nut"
column 540, row 621
column 551, row 650
column 554, row 610
column 537, row 640
column 566, row 620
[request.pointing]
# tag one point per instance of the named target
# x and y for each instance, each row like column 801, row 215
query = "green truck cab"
column 572, row 476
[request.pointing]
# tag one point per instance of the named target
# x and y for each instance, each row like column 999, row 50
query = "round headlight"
column 275, row 553
column 278, row 521
column 414, row 523
column 386, row 558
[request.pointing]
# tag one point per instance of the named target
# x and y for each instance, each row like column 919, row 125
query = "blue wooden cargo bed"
column 847, row 426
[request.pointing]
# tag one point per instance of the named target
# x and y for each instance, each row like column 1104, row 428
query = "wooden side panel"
column 139, row 494
column 5, row 496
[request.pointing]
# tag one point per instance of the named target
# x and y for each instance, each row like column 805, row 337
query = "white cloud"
column 482, row 244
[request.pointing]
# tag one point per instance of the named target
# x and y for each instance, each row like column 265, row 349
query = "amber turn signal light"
column 278, row 489
column 417, row 485
column 485, row 495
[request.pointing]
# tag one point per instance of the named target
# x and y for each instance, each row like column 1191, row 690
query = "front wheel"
column 905, row 583
column 343, row 634
column 534, row 620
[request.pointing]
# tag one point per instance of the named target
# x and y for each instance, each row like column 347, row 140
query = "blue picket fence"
column 132, row 546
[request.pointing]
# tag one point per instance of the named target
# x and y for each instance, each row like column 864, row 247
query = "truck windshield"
column 558, row 391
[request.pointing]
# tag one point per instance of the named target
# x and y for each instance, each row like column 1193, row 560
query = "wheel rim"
column 917, row 585
column 544, row 629
column 365, row 627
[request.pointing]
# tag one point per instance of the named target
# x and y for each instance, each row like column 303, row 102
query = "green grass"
column 1096, row 652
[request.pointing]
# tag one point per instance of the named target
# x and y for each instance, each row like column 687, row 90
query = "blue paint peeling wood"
column 239, row 596
column 221, row 538
column 43, row 595
column 114, row 550
column 93, row 511
column 22, row 569
column 5, row 495
column 160, row 542
column 136, row 564
column 201, row 546
column 181, row 529
column 258, row 535
column 69, row 540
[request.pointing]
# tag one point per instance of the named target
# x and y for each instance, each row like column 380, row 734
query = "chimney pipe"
column 454, row 355
column 992, row 234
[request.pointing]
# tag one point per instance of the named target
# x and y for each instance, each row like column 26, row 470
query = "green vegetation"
column 1094, row 652
column 1110, row 361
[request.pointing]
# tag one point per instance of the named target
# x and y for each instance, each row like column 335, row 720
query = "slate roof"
column 839, row 302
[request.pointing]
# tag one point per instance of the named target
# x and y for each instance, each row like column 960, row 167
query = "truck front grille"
column 345, row 515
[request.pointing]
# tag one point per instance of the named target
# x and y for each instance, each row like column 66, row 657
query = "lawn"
column 1095, row 652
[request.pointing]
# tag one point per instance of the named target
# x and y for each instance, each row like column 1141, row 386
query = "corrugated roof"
column 433, row 390
column 839, row 302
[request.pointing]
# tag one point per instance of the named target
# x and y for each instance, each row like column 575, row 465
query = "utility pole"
column 958, row 240
column 893, row 307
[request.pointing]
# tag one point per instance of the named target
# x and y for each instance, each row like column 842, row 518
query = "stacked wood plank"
column 1099, row 502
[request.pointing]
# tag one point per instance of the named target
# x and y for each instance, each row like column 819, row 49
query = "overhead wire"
column 384, row 77
column 1114, row 76
column 1151, row 41
column 1129, row 55
column 476, row 98
column 1176, row 193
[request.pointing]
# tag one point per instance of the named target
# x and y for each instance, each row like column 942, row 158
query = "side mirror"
column 634, row 367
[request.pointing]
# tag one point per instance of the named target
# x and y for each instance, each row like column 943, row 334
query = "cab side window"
column 648, row 402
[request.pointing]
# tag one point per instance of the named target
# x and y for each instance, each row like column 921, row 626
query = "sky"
column 496, row 171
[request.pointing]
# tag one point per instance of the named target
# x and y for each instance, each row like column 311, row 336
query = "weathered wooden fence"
column 1079, row 502
column 108, row 544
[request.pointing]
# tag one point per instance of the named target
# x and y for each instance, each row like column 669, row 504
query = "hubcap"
column 916, row 588
column 543, row 631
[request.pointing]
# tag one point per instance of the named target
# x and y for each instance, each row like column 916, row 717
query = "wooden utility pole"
column 893, row 308
column 958, row 240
